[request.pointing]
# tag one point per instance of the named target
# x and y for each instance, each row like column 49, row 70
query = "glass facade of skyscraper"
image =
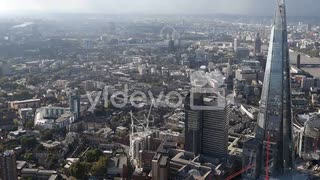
column 274, row 128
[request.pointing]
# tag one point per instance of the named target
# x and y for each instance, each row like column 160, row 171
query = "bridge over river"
column 308, row 64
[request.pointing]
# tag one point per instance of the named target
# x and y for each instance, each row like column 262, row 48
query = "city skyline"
column 241, row 7
column 150, row 89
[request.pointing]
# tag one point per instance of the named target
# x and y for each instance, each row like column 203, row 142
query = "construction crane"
column 144, row 123
column 240, row 172
column 253, row 164
column 267, row 160
column 243, row 169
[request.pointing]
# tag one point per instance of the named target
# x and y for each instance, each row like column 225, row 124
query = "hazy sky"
column 257, row 7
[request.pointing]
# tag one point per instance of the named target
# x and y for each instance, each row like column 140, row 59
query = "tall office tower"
column 236, row 44
column 298, row 61
column 8, row 165
column 214, row 142
column 74, row 103
column 257, row 44
column 5, row 68
column 309, row 27
column 193, row 124
column 206, row 130
column 171, row 45
column 274, row 128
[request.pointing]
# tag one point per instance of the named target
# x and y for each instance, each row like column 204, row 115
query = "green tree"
column 3, row 94
column 27, row 178
column 16, row 122
column 99, row 168
column 22, row 95
column 47, row 135
column 176, row 129
column 100, row 111
column 3, row 80
column 28, row 142
column 30, row 124
column 41, row 148
column 28, row 156
column 78, row 170
column 34, row 80
column 93, row 155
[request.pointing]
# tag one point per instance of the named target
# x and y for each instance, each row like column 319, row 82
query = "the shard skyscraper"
column 274, row 129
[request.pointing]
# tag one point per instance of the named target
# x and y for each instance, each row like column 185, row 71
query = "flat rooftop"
column 26, row 101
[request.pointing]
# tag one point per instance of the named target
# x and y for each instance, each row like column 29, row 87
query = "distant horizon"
column 149, row 14
column 305, row 8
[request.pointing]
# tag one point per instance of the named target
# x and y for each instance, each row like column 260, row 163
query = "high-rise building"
column 74, row 103
column 5, row 68
column 262, row 60
column 8, row 165
column 160, row 167
column 207, row 129
column 257, row 44
column 242, row 53
column 214, row 141
column 298, row 61
column 236, row 44
column 308, row 138
column 88, row 44
column 171, row 45
column 274, row 128
column 193, row 124
column 309, row 27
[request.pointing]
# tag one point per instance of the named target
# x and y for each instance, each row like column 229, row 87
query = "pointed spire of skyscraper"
column 275, row 114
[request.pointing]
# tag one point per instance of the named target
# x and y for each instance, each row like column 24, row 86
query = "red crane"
column 243, row 169
column 315, row 145
column 267, row 160
column 240, row 172
column 252, row 165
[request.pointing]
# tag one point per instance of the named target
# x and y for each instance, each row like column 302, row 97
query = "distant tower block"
column 8, row 165
column 169, row 36
column 236, row 44
column 298, row 61
column 257, row 44
column 74, row 102
column 171, row 45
